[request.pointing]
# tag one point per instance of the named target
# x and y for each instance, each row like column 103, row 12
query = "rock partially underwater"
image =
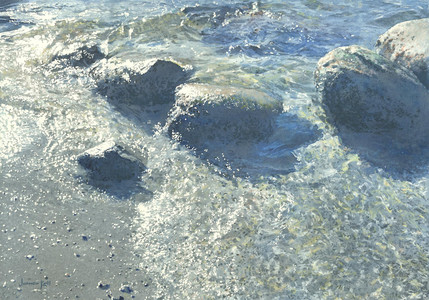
column 83, row 56
column 224, row 114
column 407, row 43
column 225, row 125
column 109, row 163
column 142, row 83
column 363, row 92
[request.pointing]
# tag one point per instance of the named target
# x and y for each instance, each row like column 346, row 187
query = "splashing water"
column 331, row 223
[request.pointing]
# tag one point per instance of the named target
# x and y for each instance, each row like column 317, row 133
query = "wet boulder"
column 228, row 115
column 364, row 92
column 110, row 162
column 407, row 43
column 81, row 57
column 142, row 83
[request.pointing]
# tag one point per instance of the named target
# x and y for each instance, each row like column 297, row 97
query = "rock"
column 224, row 125
column 407, row 43
column 81, row 57
column 125, row 289
column 364, row 92
column 110, row 162
column 143, row 83
column 205, row 113
column 212, row 16
column 103, row 286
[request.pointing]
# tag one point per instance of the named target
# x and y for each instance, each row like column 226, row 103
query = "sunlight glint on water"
column 336, row 226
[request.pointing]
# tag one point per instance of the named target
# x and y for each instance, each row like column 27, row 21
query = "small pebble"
column 29, row 257
column 126, row 289
column 103, row 286
column 67, row 274
column 84, row 237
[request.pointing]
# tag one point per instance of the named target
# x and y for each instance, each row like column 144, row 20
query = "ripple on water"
column 335, row 226
column 18, row 130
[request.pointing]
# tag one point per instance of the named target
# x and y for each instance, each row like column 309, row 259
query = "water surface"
column 307, row 217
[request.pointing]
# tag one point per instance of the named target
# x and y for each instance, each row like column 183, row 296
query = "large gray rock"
column 407, row 43
column 143, row 83
column 204, row 113
column 364, row 92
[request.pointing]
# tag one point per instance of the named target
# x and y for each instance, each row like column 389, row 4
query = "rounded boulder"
column 229, row 115
column 146, row 83
column 364, row 92
column 407, row 43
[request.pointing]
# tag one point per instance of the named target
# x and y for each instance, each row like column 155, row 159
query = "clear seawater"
column 327, row 222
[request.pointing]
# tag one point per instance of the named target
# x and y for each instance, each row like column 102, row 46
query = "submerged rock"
column 227, row 126
column 81, row 57
column 148, row 83
column 212, row 16
column 407, row 43
column 364, row 92
column 109, row 162
column 205, row 113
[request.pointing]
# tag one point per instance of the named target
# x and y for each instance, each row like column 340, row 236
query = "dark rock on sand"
column 110, row 162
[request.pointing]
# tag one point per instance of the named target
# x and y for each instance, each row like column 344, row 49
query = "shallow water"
column 306, row 216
